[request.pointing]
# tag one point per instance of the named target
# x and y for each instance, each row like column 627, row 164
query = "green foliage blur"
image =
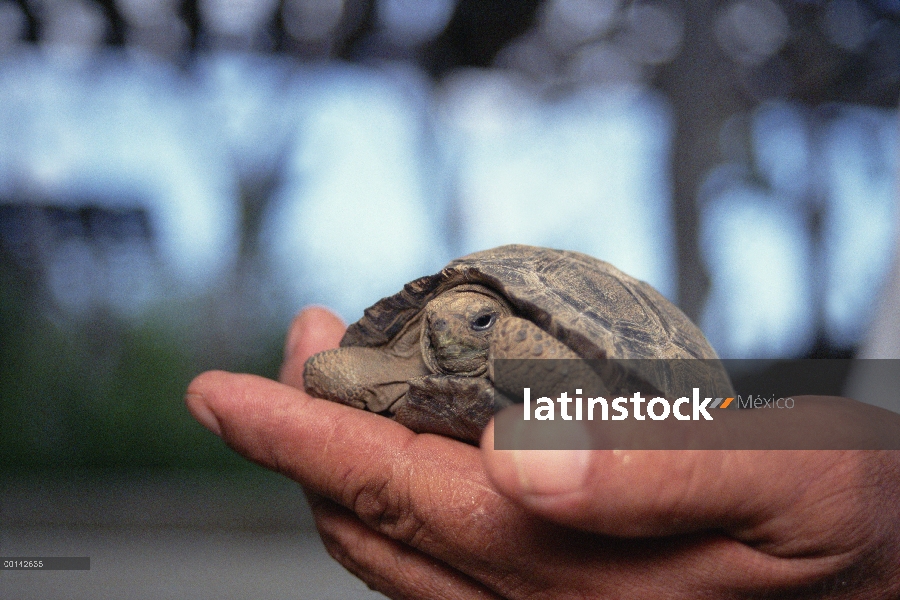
column 102, row 392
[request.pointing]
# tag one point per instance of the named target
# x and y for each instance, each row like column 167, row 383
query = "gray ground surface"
column 167, row 536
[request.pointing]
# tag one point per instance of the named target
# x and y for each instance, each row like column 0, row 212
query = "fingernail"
column 552, row 472
column 197, row 405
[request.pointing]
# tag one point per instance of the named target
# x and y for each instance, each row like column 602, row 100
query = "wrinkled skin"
column 424, row 516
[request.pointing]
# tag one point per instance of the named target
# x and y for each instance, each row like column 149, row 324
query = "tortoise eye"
column 482, row 322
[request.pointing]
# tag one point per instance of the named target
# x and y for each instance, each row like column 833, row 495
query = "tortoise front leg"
column 451, row 405
column 368, row 378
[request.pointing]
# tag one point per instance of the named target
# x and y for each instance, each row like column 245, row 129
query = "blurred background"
column 179, row 177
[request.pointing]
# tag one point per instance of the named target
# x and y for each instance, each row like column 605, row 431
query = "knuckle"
column 338, row 535
column 334, row 544
column 363, row 552
column 347, row 552
column 386, row 507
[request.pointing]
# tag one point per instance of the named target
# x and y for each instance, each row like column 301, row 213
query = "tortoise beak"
column 367, row 378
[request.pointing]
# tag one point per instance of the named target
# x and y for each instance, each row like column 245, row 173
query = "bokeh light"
column 751, row 31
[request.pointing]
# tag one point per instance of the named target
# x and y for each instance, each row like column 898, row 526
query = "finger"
column 753, row 495
column 313, row 330
column 426, row 491
column 387, row 565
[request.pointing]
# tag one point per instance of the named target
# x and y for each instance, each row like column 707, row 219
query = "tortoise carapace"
column 423, row 356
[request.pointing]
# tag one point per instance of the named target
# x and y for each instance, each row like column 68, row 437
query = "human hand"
column 422, row 516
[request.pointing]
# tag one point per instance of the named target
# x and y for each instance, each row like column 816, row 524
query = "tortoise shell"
column 589, row 305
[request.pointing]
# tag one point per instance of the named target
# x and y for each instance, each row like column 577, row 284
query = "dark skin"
column 424, row 516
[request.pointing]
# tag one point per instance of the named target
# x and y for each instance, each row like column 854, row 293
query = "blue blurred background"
column 179, row 177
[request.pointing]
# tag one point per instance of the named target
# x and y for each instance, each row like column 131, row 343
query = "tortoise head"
column 450, row 336
column 457, row 327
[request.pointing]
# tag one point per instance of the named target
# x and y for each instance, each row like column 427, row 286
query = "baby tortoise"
column 423, row 356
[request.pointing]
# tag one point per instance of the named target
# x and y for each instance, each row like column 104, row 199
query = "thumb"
column 628, row 493
column 755, row 496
